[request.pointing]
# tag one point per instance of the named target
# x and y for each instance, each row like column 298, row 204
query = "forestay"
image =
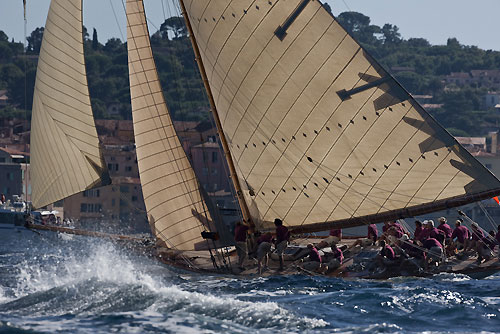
column 65, row 155
column 320, row 134
column 171, row 191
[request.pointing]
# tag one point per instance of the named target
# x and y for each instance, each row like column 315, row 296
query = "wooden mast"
column 239, row 194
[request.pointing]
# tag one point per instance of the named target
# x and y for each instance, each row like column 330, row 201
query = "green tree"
column 35, row 40
column 95, row 41
column 391, row 34
column 175, row 25
column 3, row 37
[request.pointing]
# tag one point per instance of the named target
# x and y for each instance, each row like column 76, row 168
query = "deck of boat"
column 202, row 261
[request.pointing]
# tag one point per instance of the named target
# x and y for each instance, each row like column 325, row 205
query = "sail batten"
column 319, row 131
column 171, row 191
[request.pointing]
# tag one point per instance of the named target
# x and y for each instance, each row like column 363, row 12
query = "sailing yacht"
column 314, row 130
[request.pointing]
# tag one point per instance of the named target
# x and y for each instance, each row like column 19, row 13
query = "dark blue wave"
column 50, row 285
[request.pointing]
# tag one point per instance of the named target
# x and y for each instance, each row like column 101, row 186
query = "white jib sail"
column 65, row 155
column 171, row 191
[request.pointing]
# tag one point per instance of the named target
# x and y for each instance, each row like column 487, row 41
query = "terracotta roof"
column 13, row 152
column 185, row 125
column 117, row 180
column 472, row 140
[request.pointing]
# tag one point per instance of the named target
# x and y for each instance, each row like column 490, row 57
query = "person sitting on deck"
column 385, row 230
column 336, row 259
column 461, row 234
column 264, row 244
column 394, row 233
column 370, row 240
column 443, row 226
column 410, row 253
column 485, row 247
column 313, row 262
column 386, row 257
column 282, row 238
column 334, row 238
column 391, row 231
column 434, row 251
column 402, row 245
column 431, row 232
column 240, row 237
column 476, row 236
column 417, row 235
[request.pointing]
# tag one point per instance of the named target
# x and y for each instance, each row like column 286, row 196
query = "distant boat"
column 314, row 130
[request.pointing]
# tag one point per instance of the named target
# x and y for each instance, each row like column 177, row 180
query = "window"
column 124, row 189
column 92, row 207
column 205, row 156
column 92, row 193
column 113, row 167
column 134, row 198
column 128, row 168
column 214, row 156
column 214, row 171
column 113, row 202
column 2, row 159
column 205, row 171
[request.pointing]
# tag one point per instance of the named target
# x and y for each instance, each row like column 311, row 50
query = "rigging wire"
column 347, row 6
column 487, row 214
column 25, row 99
column 163, row 9
column 116, row 19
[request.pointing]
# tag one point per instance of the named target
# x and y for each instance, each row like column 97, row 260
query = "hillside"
column 423, row 69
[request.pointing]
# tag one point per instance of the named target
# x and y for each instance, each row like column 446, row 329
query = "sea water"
column 50, row 284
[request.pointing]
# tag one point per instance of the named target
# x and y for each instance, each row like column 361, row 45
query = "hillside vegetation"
column 419, row 66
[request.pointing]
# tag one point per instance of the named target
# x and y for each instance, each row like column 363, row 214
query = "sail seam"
column 51, row 34
column 45, row 63
column 54, row 57
column 73, row 97
column 215, row 62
